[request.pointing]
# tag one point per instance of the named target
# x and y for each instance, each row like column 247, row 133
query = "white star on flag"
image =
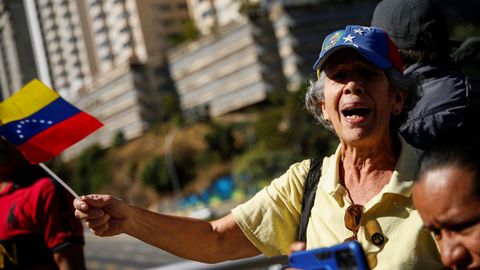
column 366, row 28
column 359, row 31
column 348, row 38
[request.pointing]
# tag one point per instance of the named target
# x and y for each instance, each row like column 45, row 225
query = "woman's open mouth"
column 355, row 114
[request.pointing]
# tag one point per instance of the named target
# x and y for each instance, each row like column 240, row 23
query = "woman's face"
column 358, row 99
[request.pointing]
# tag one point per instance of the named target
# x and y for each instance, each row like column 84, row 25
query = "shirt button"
column 378, row 239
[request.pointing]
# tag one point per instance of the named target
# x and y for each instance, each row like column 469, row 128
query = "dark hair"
column 459, row 148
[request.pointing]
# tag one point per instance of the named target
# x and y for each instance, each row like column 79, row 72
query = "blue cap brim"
column 369, row 55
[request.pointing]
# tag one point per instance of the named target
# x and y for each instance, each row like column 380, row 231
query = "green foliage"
column 60, row 169
column 268, row 129
column 260, row 164
column 118, row 139
column 170, row 108
column 90, row 171
column 155, row 174
column 220, row 141
column 188, row 32
column 289, row 126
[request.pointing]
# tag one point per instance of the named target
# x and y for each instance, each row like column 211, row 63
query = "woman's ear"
column 324, row 111
column 399, row 102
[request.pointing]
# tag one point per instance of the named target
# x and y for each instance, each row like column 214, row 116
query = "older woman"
column 362, row 95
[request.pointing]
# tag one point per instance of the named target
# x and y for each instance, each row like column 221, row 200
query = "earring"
column 396, row 112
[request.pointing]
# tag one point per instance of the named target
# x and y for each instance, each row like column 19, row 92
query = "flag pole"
column 59, row 180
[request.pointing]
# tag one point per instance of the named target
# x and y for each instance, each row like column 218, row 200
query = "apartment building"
column 229, row 70
column 301, row 26
column 17, row 63
column 212, row 15
column 108, row 58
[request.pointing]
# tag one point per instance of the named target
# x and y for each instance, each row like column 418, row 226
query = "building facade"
column 17, row 63
column 108, row 58
column 301, row 26
column 229, row 70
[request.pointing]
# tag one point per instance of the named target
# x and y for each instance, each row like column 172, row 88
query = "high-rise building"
column 301, row 26
column 17, row 63
column 230, row 70
column 210, row 15
column 105, row 56
column 64, row 45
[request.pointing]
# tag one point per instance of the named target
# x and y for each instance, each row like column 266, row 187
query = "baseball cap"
column 409, row 22
column 373, row 43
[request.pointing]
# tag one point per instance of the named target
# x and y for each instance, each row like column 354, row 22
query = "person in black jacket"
column 419, row 30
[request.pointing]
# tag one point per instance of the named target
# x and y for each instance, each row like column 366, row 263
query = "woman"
column 363, row 96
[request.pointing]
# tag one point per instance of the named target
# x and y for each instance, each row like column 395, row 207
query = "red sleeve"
column 55, row 214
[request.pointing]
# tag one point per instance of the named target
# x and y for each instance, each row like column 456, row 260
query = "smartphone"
column 344, row 256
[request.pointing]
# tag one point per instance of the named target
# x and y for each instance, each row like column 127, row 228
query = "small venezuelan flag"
column 41, row 123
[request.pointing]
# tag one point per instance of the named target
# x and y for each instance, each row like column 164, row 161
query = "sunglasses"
column 352, row 218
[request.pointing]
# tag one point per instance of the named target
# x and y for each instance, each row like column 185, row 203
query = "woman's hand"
column 104, row 215
column 296, row 246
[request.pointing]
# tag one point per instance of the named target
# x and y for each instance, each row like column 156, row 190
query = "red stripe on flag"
column 52, row 141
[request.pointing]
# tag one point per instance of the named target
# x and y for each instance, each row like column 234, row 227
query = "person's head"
column 447, row 196
column 10, row 159
column 360, row 90
column 417, row 27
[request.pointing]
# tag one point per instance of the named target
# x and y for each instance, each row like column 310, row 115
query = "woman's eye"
column 368, row 73
column 340, row 75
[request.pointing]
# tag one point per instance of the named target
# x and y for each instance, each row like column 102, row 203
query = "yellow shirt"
column 270, row 219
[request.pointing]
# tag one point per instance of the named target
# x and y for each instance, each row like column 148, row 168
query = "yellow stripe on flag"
column 26, row 101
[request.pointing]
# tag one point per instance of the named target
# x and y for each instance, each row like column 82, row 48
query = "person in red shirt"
column 38, row 229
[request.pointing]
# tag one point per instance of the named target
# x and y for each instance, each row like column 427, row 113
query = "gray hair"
column 400, row 83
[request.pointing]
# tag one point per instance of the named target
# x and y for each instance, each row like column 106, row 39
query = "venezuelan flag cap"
column 371, row 42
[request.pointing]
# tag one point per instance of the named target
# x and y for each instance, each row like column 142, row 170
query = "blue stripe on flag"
column 20, row 131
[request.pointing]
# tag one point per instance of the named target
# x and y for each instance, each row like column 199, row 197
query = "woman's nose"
column 353, row 87
column 453, row 253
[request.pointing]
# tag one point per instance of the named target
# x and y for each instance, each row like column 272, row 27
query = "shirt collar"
column 400, row 183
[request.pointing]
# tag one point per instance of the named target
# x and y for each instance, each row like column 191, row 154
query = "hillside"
column 128, row 161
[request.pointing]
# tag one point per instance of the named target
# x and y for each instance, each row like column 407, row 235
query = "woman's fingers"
column 97, row 222
column 91, row 206
column 104, row 215
column 92, row 213
column 297, row 246
column 100, row 230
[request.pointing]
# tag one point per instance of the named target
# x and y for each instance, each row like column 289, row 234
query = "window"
column 105, row 44
column 102, row 29
column 126, row 29
column 127, row 44
column 124, row 15
column 72, row 39
column 107, row 57
column 100, row 16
